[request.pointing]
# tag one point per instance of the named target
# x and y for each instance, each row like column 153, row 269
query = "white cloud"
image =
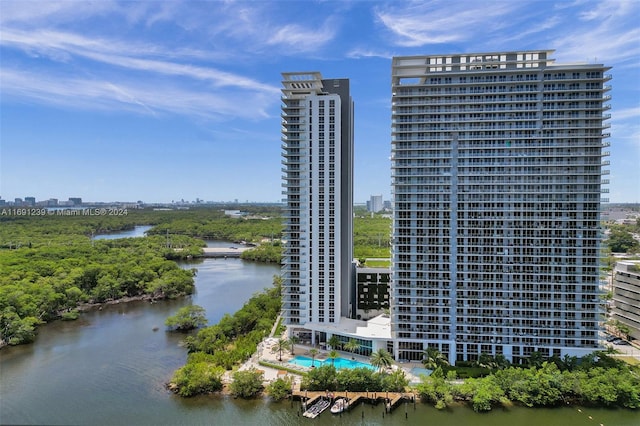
column 34, row 13
column 149, row 97
column 437, row 22
column 627, row 113
column 605, row 9
column 67, row 47
column 368, row 53
column 298, row 38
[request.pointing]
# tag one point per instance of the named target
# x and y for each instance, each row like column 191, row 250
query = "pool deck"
column 266, row 352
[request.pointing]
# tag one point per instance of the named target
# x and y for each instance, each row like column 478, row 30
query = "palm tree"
column 433, row 358
column 535, row 359
column 334, row 341
column 332, row 356
column 570, row 362
column 501, row 361
column 281, row 346
column 313, row 352
column 352, row 345
column 381, row 359
column 485, row 360
column 293, row 340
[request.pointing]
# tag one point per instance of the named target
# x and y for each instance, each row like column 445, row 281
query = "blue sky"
column 168, row 100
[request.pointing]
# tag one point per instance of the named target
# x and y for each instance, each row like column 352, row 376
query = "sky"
column 162, row 101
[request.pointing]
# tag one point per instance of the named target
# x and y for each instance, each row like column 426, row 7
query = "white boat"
column 339, row 406
column 316, row 409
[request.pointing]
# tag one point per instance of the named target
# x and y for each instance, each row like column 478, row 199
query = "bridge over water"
column 223, row 252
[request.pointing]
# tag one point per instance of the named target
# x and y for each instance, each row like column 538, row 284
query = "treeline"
column 59, row 268
column 269, row 252
column 599, row 380
column 36, row 231
column 371, row 236
column 221, row 347
column 216, row 226
column 621, row 238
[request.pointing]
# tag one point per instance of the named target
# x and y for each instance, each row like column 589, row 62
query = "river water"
column 110, row 368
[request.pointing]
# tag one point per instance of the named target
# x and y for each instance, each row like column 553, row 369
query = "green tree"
column 280, row 388
column 535, row 359
column 433, row 358
column 381, row 359
column 334, row 342
column 358, row 380
column 396, row 381
column 293, row 340
column 332, row 355
column 187, row 318
column 621, row 241
column 15, row 330
column 281, row 346
column 246, row 383
column 314, row 353
column 435, row 389
column 352, row 345
column 487, row 361
column 321, row 378
column 486, row 393
column 198, row 376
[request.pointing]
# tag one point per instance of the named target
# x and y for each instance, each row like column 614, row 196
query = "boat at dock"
column 339, row 406
column 316, row 409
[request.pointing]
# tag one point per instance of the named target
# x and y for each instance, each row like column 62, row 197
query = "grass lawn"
column 378, row 264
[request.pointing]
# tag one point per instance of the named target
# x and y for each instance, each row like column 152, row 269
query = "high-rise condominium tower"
column 496, row 177
column 317, row 136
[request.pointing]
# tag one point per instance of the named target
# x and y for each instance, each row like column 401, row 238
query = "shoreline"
column 88, row 306
column 97, row 306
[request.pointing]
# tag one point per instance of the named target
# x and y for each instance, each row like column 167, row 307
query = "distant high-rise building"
column 77, row 201
column 626, row 296
column 317, row 136
column 30, row 201
column 375, row 203
column 496, row 181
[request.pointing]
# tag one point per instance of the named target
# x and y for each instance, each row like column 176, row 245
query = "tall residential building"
column 496, row 178
column 317, row 136
column 375, row 203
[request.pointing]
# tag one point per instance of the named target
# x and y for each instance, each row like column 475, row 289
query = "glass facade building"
column 497, row 178
column 317, row 151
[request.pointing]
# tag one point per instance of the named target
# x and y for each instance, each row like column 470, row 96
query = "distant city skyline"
column 161, row 101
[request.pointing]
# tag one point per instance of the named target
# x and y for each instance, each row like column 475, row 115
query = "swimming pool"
column 417, row 371
column 339, row 363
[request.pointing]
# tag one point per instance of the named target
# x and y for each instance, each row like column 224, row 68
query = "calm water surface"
column 137, row 231
column 110, row 367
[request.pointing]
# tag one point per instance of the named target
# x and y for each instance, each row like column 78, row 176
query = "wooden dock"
column 390, row 399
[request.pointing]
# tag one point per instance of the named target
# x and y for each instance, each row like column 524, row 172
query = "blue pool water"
column 417, row 371
column 339, row 363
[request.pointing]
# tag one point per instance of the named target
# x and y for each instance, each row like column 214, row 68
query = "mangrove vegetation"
column 227, row 344
column 51, row 266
